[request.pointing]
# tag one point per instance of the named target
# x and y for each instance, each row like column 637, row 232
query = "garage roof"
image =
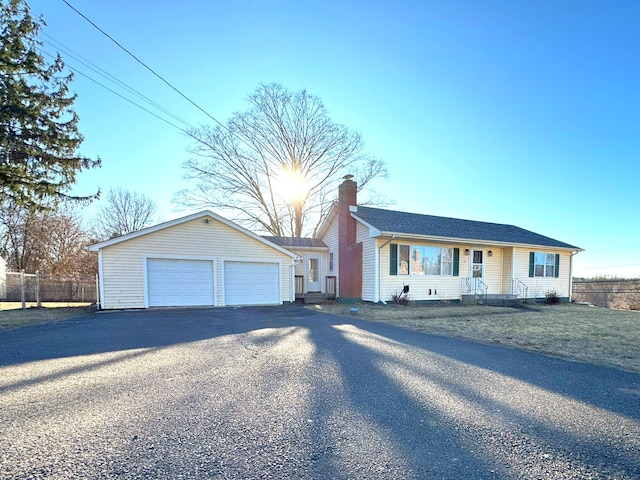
column 203, row 214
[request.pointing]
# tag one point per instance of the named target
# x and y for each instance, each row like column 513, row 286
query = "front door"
column 313, row 273
column 477, row 265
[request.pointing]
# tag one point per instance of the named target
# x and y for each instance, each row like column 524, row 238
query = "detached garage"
column 199, row 260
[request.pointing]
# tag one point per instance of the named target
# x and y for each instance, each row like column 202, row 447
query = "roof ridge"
column 437, row 216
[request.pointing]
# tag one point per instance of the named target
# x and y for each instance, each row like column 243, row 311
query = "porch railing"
column 520, row 289
column 299, row 286
column 330, row 287
column 330, row 283
column 475, row 286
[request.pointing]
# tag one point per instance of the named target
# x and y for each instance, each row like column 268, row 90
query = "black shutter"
column 532, row 257
column 393, row 259
column 456, row 262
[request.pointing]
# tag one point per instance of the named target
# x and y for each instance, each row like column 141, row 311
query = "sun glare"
column 291, row 185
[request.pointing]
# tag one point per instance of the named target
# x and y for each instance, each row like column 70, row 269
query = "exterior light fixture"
column 466, row 251
column 490, row 253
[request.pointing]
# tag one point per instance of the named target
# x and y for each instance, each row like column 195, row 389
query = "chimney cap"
column 347, row 177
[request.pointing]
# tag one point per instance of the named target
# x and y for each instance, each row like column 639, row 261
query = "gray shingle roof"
column 292, row 242
column 416, row 224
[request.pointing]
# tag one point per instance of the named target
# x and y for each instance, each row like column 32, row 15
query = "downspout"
column 571, row 274
column 379, row 267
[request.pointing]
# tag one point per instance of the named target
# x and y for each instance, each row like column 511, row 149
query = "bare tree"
column 124, row 212
column 275, row 168
column 49, row 241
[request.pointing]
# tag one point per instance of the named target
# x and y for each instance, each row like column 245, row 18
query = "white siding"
column 507, row 261
column 331, row 241
column 538, row 286
column 369, row 246
column 301, row 268
column 493, row 270
column 123, row 264
column 421, row 287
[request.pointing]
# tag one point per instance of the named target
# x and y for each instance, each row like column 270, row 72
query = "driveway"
column 284, row 392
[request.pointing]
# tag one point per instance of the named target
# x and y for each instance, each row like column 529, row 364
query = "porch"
column 307, row 297
column 475, row 291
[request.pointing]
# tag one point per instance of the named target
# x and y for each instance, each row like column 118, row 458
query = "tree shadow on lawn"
column 429, row 414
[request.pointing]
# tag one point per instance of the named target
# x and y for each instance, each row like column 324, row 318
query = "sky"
column 516, row 112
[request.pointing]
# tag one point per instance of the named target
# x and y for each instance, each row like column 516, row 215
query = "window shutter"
column 556, row 271
column 393, row 259
column 456, row 262
column 532, row 256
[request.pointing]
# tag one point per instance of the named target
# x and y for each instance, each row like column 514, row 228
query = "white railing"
column 475, row 286
column 520, row 289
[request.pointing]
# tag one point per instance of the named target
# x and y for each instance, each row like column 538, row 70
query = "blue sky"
column 518, row 112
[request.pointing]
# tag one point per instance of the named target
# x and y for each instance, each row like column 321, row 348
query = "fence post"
column 38, row 289
column 22, row 292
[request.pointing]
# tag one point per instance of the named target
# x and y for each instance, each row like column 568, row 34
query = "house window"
column 431, row 261
column 331, row 261
column 423, row 260
column 542, row 264
column 403, row 259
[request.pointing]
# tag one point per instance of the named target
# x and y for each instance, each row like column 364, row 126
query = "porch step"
column 312, row 298
column 499, row 299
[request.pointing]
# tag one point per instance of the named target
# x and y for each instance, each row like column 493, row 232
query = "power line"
column 100, row 71
column 121, row 96
column 145, row 65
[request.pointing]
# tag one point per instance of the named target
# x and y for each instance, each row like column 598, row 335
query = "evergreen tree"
column 38, row 128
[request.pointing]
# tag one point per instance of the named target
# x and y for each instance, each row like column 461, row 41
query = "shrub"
column 401, row 297
column 552, row 297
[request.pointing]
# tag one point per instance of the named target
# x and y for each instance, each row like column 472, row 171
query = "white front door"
column 313, row 273
column 477, row 265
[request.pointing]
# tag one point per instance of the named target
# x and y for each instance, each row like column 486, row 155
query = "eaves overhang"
column 469, row 241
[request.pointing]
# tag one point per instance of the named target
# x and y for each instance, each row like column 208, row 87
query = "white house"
column 360, row 254
column 380, row 251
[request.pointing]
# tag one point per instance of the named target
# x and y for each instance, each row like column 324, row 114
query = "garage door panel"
column 180, row 282
column 252, row 283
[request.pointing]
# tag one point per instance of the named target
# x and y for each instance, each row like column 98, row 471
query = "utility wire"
column 121, row 96
column 87, row 63
column 145, row 65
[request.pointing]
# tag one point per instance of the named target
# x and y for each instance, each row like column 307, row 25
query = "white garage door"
column 178, row 283
column 251, row 283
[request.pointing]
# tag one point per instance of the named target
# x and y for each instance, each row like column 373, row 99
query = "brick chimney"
column 349, row 252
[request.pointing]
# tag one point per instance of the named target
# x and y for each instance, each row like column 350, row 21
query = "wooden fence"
column 623, row 294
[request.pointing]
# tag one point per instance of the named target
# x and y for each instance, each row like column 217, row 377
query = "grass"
column 12, row 315
column 576, row 332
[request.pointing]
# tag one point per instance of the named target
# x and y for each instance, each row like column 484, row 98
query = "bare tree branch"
column 125, row 212
column 276, row 167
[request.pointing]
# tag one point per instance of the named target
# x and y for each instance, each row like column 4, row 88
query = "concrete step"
column 502, row 299
column 314, row 298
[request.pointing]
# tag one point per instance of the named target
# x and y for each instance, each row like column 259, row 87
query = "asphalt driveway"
column 285, row 392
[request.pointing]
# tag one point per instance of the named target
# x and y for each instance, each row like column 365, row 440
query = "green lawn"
column 576, row 332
